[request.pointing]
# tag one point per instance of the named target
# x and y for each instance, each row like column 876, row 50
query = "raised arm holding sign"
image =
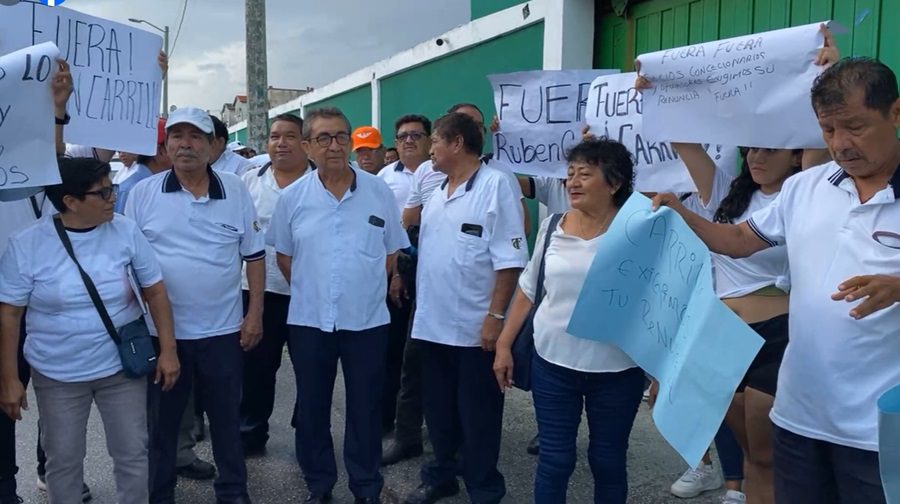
column 749, row 90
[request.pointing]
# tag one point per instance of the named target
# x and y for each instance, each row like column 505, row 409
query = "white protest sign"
column 27, row 129
column 752, row 90
column 614, row 109
column 541, row 114
column 115, row 104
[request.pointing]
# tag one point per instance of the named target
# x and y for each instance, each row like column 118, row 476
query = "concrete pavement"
column 275, row 478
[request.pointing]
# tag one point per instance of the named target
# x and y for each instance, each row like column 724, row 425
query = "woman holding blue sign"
column 570, row 375
column 755, row 288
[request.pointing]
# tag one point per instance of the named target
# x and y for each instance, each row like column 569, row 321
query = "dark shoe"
column 197, row 470
column 254, row 449
column 427, row 494
column 367, row 500
column 396, row 452
column 240, row 500
column 534, row 446
column 85, row 493
column 15, row 499
column 314, row 498
column 198, row 432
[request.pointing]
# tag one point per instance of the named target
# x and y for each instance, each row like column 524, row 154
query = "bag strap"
column 551, row 228
column 88, row 283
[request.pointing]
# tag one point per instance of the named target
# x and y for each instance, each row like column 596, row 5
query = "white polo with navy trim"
column 464, row 239
column 338, row 251
column 399, row 178
column 201, row 244
column 835, row 367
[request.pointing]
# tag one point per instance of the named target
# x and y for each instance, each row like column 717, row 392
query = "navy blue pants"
column 464, row 412
column 215, row 364
column 611, row 401
column 315, row 355
column 731, row 455
column 260, row 368
column 809, row 471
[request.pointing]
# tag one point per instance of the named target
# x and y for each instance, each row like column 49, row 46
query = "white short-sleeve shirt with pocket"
column 338, row 250
column 464, row 239
column 67, row 340
column 201, row 244
column 835, row 368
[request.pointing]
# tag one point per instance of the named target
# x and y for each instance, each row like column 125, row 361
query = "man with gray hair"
column 335, row 232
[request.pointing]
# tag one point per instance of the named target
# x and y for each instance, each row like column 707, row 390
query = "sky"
column 310, row 42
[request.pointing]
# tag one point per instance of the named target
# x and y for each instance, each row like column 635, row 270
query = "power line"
column 180, row 23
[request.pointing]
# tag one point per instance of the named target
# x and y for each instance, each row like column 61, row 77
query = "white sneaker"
column 733, row 497
column 696, row 481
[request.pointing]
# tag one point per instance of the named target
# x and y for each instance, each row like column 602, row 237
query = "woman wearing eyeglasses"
column 75, row 362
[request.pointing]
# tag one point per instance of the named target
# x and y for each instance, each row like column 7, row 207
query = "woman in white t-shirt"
column 569, row 374
column 74, row 361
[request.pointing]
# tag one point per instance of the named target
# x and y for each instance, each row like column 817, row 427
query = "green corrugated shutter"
column 661, row 24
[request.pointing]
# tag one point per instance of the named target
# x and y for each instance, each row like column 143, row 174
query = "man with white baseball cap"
column 202, row 225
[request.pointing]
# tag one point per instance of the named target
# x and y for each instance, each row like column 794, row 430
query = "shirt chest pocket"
column 472, row 243
column 887, row 249
column 218, row 231
column 371, row 243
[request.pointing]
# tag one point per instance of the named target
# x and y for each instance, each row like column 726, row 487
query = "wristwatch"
column 496, row 315
column 65, row 120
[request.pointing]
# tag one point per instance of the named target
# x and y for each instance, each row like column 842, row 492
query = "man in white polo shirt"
column 335, row 232
column 841, row 224
column 412, row 133
column 472, row 249
column 222, row 158
column 266, row 183
column 202, row 225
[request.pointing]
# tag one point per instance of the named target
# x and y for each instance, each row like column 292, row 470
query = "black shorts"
column 763, row 372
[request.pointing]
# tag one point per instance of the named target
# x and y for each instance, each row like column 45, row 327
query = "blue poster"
column 889, row 443
column 650, row 292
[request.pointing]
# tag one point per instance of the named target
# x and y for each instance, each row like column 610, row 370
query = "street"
column 275, row 477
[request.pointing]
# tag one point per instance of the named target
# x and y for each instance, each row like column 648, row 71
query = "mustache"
column 847, row 155
column 185, row 153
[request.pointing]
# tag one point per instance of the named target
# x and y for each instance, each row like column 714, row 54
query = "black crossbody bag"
column 133, row 339
column 523, row 347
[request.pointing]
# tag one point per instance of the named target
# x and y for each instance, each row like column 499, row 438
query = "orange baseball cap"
column 366, row 136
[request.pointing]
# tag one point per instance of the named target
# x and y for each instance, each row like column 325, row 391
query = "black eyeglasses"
column 105, row 193
column 414, row 136
column 324, row 140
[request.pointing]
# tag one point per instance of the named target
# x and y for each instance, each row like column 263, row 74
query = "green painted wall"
column 481, row 8
column 660, row 24
column 430, row 89
column 356, row 104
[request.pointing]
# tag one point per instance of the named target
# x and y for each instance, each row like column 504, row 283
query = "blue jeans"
column 611, row 401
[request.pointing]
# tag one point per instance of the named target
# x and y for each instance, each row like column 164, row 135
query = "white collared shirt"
column 426, row 180
column 338, row 251
column 835, row 367
column 568, row 259
column 200, row 243
column 265, row 192
column 464, row 239
column 399, row 178
column 229, row 162
column 551, row 192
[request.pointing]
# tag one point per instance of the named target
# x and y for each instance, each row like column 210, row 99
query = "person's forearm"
column 412, row 216
column 727, row 239
column 391, row 264
column 60, row 113
column 256, row 279
column 161, row 311
column 700, row 167
column 10, row 319
column 515, row 318
column 284, row 264
column 503, row 289
column 105, row 155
